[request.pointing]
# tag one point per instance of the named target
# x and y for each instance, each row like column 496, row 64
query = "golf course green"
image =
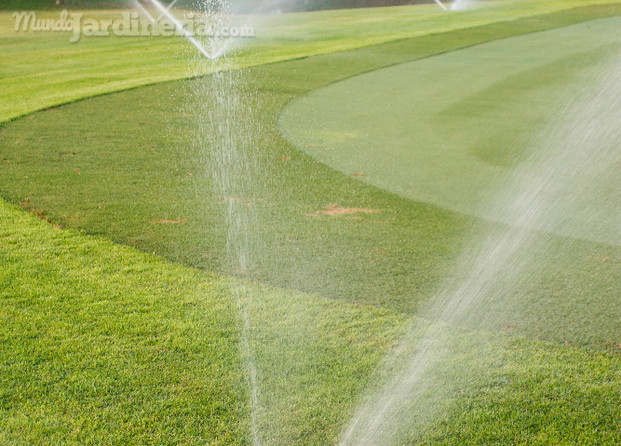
column 448, row 129
column 374, row 149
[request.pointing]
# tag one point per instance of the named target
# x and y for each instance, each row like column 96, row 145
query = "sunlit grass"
column 103, row 344
column 43, row 69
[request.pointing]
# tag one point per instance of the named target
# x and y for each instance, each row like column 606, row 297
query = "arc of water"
column 144, row 11
column 168, row 9
column 222, row 49
column 181, row 29
column 441, row 5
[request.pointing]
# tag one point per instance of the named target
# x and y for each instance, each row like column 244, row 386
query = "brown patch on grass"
column 358, row 174
column 285, row 158
column 26, row 206
column 613, row 347
column 334, row 210
column 599, row 258
column 174, row 222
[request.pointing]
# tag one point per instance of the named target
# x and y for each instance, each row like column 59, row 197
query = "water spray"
column 165, row 12
column 168, row 8
column 441, row 5
column 144, row 11
column 577, row 153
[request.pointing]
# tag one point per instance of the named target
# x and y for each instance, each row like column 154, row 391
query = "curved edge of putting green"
column 490, row 32
column 146, row 236
column 419, row 143
column 97, row 338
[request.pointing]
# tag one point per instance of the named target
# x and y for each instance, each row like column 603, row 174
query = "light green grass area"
column 43, row 69
column 104, row 344
column 448, row 130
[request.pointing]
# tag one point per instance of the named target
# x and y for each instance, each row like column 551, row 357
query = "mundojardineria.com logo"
column 128, row 24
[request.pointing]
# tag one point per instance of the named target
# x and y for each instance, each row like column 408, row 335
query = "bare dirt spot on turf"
column 334, row 210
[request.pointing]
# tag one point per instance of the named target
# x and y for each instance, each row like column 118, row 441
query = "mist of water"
column 441, row 5
column 573, row 169
column 461, row 5
column 222, row 132
column 179, row 27
column 226, row 131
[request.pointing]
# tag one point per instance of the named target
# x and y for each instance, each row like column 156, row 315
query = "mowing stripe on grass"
column 449, row 129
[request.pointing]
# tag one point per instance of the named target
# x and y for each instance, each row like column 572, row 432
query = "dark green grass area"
column 127, row 166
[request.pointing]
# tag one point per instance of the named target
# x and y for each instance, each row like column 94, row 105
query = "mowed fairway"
column 340, row 265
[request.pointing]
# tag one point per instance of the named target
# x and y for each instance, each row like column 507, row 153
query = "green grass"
column 455, row 161
column 488, row 391
column 75, row 166
column 101, row 65
column 103, row 344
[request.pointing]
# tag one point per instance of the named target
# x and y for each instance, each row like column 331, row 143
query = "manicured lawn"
column 130, row 167
column 43, row 69
column 105, row 345
column 102, row 343
column 472, row 117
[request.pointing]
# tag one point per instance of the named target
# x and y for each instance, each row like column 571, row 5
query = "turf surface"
column 43, row 69
column 315, row 354
column 431, row 130
column 152, row 190
column 105, row 345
